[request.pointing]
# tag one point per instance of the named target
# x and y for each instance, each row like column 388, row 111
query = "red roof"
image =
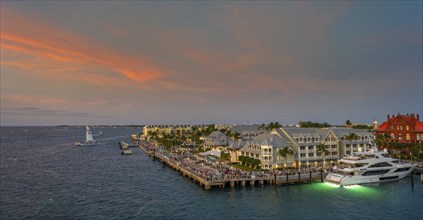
column 413, row 121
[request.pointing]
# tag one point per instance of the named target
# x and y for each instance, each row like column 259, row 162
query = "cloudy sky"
column 209, row 62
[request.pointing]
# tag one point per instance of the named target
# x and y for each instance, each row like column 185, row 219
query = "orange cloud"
column 56, row 47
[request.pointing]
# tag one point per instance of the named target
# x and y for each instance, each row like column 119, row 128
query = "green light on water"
column 352, row 190
column 333, row 185
column 352, row 186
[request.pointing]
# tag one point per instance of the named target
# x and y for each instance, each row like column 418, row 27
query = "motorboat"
column 89, row 140
column 369, row 167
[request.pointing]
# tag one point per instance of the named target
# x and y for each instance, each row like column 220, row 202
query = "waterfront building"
column 401, row 128
column 347, row 146
column 215, row 140
column 265, row 147
column 305, row 141
column 161, row 130
column 234, row 149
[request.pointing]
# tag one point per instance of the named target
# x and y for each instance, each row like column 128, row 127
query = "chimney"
column 418, row 118
column 388, row 117
column 412, row 115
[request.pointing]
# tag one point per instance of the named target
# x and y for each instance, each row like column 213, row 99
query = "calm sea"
column 44, row 176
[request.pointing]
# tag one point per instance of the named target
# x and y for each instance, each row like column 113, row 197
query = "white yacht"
column 89, row 140
column 369, row 167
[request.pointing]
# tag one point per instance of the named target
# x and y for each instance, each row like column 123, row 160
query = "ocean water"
column 44, row 176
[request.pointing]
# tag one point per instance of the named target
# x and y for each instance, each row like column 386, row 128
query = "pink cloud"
column 56, row 47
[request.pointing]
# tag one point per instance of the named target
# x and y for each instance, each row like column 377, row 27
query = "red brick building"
column 402, row 128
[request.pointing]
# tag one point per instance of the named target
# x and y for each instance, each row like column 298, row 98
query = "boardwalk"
column 209, row 176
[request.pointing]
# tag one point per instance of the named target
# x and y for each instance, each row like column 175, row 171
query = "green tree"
column 273, row 125
column 348, row 123
column 262, row 127
column 381, row 141
column 225, row 157
column 241, row 159
column 351, row 137
column 248, row 160
column 321, row 148
column 284, row 152
column 309, row 124
column 255, row 163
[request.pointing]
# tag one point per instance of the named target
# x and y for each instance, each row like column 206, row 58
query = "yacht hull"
column 345, row 180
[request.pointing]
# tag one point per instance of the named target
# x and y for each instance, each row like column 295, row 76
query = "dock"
column 232, row 180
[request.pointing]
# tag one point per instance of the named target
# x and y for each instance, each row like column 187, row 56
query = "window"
column 383, row 164
column 333, row 146
column 310, row 154
column 397, row 127
column 401, row 127
column 319, row 154
column 334, row 153
column 302, row 155
column 392, row 135
column 407, row 137
column 402, row 169
column 399, row 136
column 310, row 147
column 392, row 127
column 348, row 152
column 327, row 154
column 407, row 128
column 388, row 178
column 302, row 148
column 375, row 172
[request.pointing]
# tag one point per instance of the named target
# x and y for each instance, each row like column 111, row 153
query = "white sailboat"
column 89, row 140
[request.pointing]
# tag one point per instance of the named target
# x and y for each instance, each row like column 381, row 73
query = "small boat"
column 369, row 167
column 89, row 140
column 100, row 133
column 127, row 152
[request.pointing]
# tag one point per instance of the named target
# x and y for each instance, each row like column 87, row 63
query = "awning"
column 211, row 153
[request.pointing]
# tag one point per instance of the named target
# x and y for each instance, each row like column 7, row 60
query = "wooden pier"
column 236, row 181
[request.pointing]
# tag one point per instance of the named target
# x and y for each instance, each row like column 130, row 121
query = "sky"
column 188, row 62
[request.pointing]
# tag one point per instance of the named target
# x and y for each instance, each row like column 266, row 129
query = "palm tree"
column 351, row 137
column 284, row 152
column 321, row 148
column 225, row 157
column 262, row 126
column 273, row 125
column 255, row 163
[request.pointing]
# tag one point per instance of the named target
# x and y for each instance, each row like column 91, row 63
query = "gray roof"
column 217, row 138
column 236, row 144
column 282, row 135
column 304, row 132
column 340, row 132
column 269, row 139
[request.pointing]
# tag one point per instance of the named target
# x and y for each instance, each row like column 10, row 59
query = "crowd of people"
column 210, row 170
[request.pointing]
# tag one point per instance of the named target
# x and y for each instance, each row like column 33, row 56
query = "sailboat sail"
column 89, row 135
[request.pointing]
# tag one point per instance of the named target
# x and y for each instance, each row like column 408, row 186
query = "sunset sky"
column 106, row 62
